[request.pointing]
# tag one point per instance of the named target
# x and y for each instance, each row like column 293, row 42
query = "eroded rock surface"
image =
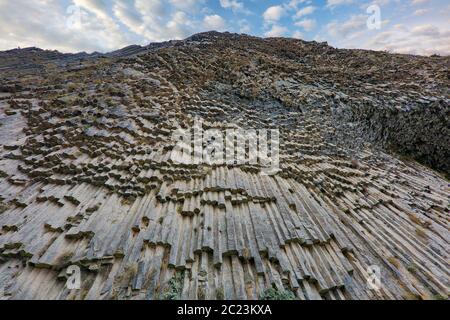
column 87, row 177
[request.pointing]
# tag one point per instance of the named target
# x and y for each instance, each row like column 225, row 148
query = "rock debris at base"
column 87, row 177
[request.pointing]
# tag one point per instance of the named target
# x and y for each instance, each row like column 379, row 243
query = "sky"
column 400, row 26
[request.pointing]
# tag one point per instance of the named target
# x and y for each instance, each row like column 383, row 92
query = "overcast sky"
column 406, row 26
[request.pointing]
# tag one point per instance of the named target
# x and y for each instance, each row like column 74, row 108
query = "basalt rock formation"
column 87, row 176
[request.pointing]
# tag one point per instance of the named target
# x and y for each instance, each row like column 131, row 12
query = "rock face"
column 87, row 176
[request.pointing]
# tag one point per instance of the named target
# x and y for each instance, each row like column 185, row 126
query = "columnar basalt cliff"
column 87, row 175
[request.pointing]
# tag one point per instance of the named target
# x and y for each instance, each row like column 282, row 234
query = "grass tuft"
column 275, row 294
column 173, row 291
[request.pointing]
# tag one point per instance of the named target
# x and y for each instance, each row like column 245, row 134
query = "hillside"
column 89, row 175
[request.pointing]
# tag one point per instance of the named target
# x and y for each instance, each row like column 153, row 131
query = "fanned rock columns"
column 88, row 177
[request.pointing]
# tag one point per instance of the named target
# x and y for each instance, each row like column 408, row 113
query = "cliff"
column 88, row 177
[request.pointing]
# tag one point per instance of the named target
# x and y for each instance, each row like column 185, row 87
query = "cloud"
column 100, row 10
column 416, row 2
column 293, row 4
column 276, row 31
column 234, row 5
column 179, row 26
column 151, row 10
column 214, row 22
column 274, row 13
column 304, row 12
column 423, row 39
column 101, row 25
column 345, row 28
column 306, row 24
column 298, row 35
column 128, row 16
column 185, row 5
column 426, row 30
column 97, row 7
column 336, row 3
column 244, row 26
column 151, row 20
column 46, row 24
column 421, row 12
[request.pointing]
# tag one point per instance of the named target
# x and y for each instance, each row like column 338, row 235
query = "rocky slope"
column 88, row 177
